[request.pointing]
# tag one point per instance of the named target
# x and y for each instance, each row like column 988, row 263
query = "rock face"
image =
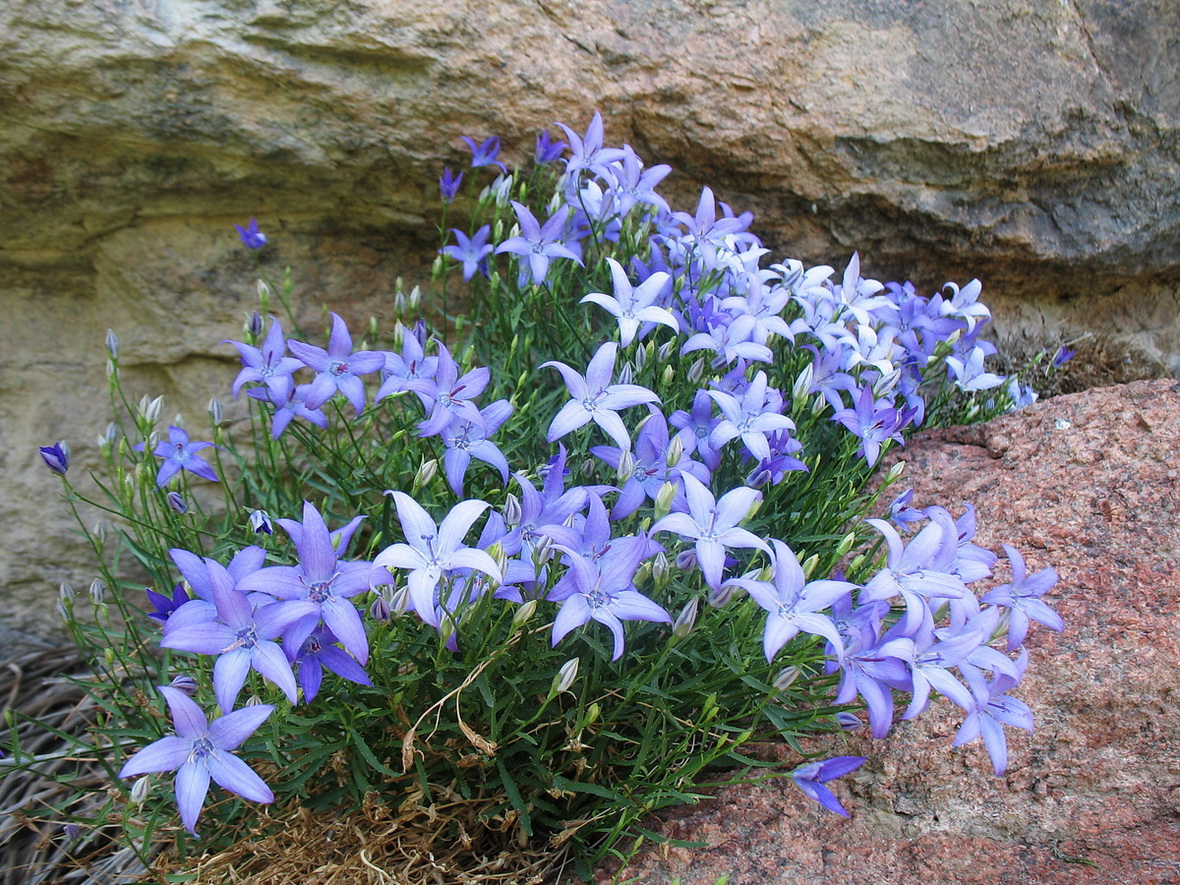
column 1034, row 145
column 1088, row 483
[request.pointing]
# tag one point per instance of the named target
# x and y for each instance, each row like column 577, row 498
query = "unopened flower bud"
column 177, row 502
column 112, row 368
column 63, row 611
column 153, row 441
column 186, row 684
column 512, row 510
column 415, row 298
column 696, row 370
column 99, row 532
column 71, row 833
column 642, row 574
column 108, row 655
column 496, row 552
column 665, row 351
column 112, row 344
column 380, row 610
column 845, row 544
column 895, row 472
column 426, row 472
column 150, row 409
column 253, row 701
column 848, row 721
column 785, row 678
column 261, row 524
column 686, row 560
column 818, row 405
column 626, row 374
column 675, row 451
column 140, row 791
column 97, row 591
column 668, row 375
column 857, row 563
column 66, row 592
column 56, row 457
column 399, row 300
column 626, row 467
column 802, row 386
column 400, row 601
column 721, row 598
column 216, row 412
column 565, row 677
column 660, row 572
column 809, row 565
column 686, row 620
column 254, row 325
column 592, row 714
column 524, row 614
column 664, row 498
column 641, row 355
column 754, row 508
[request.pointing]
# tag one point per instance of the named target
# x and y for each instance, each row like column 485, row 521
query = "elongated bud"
column 140, row 791
column 380, row 610
column 664, row 498
column 802, row 386
column 626, row 374
column 626, row 467
column 818, row 405
column 660, row 572
column 446, row 629
column 721, row 598
column 565, row 677
column 63, row 610
column 401, row 601
column 675, row 451
column 665, row 351
column 512, row 510
column 253, row 701
column 496, row 552
column 696, row 370
column 108, row 655
column 186, row 684
column 668, row 375
column 112, row 344
column 524, row 614
column 261, row 523
column 848, row 721
column 152, row 413
column 857, row 562
column 99, row 532
column 809, row 565
column 592, row 714
column 642, row 575
column 845, row 544
column 97, row 591
column 66, row 592
column 177, row 502
column 895, row 471
column 153, row 440
column 415, row 298
column 641, row 355
column 112, row 368
column 425, row 474
column 216, row 412
column 754, row 508
column 399, row 300
column 686, row 620
column 785, row 678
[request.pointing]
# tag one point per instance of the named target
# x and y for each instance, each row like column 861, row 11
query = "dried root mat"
column 447, row 843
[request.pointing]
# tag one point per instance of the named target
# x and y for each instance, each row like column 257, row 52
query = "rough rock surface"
column 1032, row 144
column 1090, row 484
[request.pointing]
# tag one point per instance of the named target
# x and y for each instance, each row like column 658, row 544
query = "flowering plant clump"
column 565, row 557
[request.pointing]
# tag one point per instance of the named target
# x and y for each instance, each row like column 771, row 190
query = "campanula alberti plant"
column 565, row 558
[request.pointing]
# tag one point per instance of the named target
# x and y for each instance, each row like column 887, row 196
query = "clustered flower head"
column 647, row 498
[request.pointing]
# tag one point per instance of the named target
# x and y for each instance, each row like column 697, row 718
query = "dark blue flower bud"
column 56, row 457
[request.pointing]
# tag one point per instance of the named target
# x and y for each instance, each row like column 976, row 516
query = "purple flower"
column 180, row 454
column 873, row 425
column 453, row 396
column 713, row 525
column 294, row 405
column 595, row 399
column 811, row 777
column 338, row 367
column 466, row 440
column 411, row 369
column 448, row 185
column 242, row 636
column 485, row 153
column 431, row 551
column 267, row 365
column 315, row 653
column 471, row 253
column 56, row 457
column 1023, row 599
column 587, row 152
column 1063, row 356
column 634, row 306
column 603, row 591
column 993, row 709
column 261, row 524
column 321, row 582
column 538, row 244
column 251, row 236
column 165, row 605
column 792, row 604
column 548, row 150
column 202, row 750
column 751, row 418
